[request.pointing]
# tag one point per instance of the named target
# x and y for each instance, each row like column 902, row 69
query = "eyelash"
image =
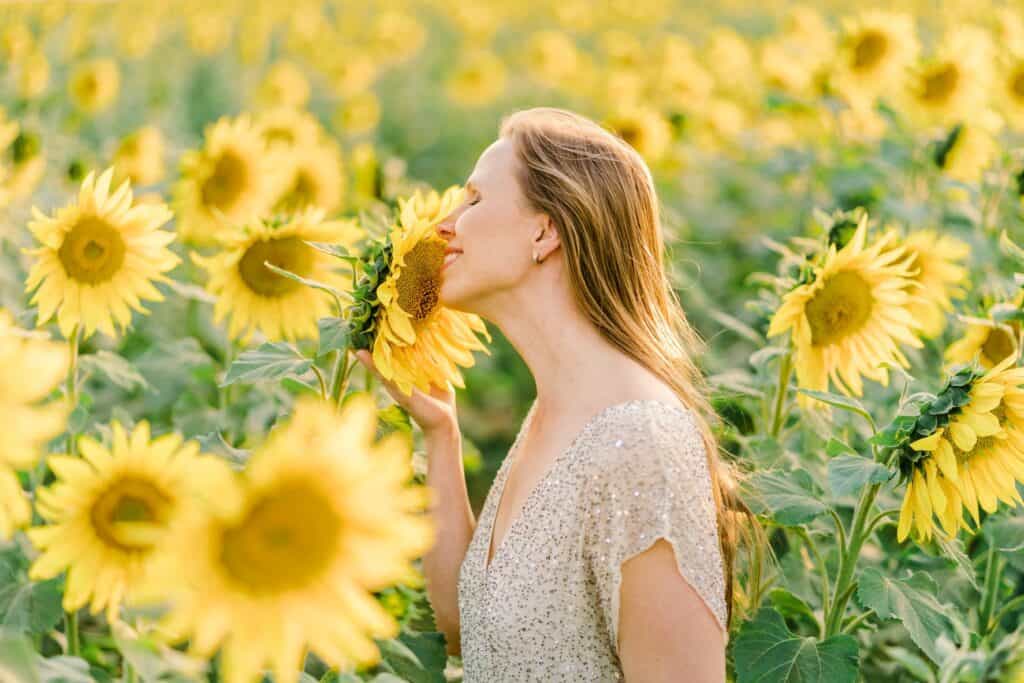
column 475, row 201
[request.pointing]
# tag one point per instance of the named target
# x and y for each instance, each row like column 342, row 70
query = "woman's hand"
column 433, row 412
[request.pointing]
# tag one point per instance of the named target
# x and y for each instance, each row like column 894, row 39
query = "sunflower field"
column 209, row 207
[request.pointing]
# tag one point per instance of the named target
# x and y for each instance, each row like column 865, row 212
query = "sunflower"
column 682, row 84
column 8, row 134
column 969, row 147
column 1008, row 95
column 284, row 85
column 315, row 178
column 987, row 340
column 551, row 57
column 951, row 85
column 397, row 310
column 284, row 128
column 478, row 78
column 108, row 512
column 98, row 258
column 940, row 273
column 94, row 84
column 227, row 182
column 33, row 368
column 851, row 317
column 288, row 557
column 140, row 156
column 643, row 128
column 969, row 450
column 255, row 297
column 357, row 114
column 875, row 51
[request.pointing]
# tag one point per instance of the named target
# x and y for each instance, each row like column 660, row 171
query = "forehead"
column 495, row 161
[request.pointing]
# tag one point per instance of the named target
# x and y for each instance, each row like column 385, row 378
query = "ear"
column 545, row 236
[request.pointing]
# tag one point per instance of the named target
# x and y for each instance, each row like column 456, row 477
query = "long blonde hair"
column 601, row 197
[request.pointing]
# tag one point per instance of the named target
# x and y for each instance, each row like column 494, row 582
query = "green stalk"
column 993, row 573
column 785, row 367
column 848, row 561
column 71, row 391
column 71, row 631
column 339, row 378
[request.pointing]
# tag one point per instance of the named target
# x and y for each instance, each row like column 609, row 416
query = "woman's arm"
column 665, row 628
column 453, row 518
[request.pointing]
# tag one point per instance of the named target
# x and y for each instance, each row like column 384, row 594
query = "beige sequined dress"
column 546, row 609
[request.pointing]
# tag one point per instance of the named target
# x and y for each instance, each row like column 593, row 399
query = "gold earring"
column 536, row 259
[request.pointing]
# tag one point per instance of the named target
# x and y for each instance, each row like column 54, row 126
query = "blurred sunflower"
column 875, row 51
column 643, row 128
column 477, row 78
column 24, row 163
column 140, row 157
column 284, row 128
column 1008, row 95
column 550, row 57
column 396, row 310
column 98, row 258
column 986, row 341
column 8, row 134
column 284, row 85
column 850, row 317
column 968, row 451
column 940, row 273
column 969, row 147
column 288, row 557
column 315, row 178
column 94, row 84
column 953, row 84
column 257, row 298
column 108, row 512
column 682, row 84
column 33, row 75
column 33, row 368
column 357, row 114
column 730, row 59
column 227, row 182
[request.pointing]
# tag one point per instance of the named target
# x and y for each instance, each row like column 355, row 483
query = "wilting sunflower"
column 108, row 511
column 98, row 258
column 952, row 85
column 875, row 50
column 94, row 84
column 257, row 298
column 397, row 310
column 987, row 340
column 314, row 178
column 288, row 557
column 229, row 181
column 938, row 261
column 967, row 450
column 33, row 367
column 851, row 317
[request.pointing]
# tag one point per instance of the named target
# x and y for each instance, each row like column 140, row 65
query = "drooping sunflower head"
column 33, row 367
column 397, row 307
column 875, row 51
column 289, row 557
column 937, row 261
column 98, row 257
column 960, row 448
column 108, row 512
column 229, row 181
column 256, row 298
column 851, row 317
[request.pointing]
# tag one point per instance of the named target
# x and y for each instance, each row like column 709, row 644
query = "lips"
column 450, row 255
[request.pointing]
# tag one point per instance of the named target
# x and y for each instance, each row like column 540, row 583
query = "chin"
column 453, row 297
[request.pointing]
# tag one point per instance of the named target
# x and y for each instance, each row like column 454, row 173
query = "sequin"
column 546, row 609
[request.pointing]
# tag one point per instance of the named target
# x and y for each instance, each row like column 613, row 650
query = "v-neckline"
column 514, row 453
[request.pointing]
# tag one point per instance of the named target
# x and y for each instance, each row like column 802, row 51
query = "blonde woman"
column 602, row 551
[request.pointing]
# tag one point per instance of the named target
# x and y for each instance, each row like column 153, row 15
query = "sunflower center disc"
column 1017, row 83
column 224, row 186
column 287, row 540
column 419, row 284
column 130, row 514
column 940, row 84
column 839, row 309
column 870, row 50
column 301, row 194
column 288, row 253
column 92, row 252
column 998, row 345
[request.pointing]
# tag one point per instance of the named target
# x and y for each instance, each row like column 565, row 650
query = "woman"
column 599, row 551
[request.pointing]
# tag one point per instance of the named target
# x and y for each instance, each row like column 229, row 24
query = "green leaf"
column 760, row 358
column 912, row 601
column 834, row 447
column 17, row 660
column 335, row 250
column 839, row 401
column 271, row 361
column 115, row 368
column 789, row 496
column 334, row 334
column 767, row 652
column 792, row 606
column 415, row 657
column 64, row 669
column 739, row 327
column 1006, row 532
column 848, row 474
column 336, row 293
column 954, row 549
column 26, row 606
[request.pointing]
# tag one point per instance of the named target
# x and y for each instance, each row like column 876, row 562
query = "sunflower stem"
column 320, row 379
column 339, row 377
column 71, row 387
column 71, row 631
column 848, row 557
column 852, row 625
column 785, row 367
column 993, row 573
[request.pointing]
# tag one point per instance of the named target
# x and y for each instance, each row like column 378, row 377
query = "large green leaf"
column 271, row 361
column 913, row 601
column 26, row 606
column 115, row 368
column 416, row 657
column 839, row 401
column 788, row 496
column 767, row 652
column 17, row 659
column 848, row 474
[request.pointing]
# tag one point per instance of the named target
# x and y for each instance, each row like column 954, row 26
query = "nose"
column 446, row 226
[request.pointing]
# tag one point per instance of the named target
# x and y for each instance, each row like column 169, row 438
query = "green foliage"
column 270, row 362
column 767, row 652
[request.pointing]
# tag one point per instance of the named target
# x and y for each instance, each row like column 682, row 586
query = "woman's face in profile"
column 492, row 229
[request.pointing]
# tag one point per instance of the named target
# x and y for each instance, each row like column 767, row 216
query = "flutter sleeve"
column 650, row 480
